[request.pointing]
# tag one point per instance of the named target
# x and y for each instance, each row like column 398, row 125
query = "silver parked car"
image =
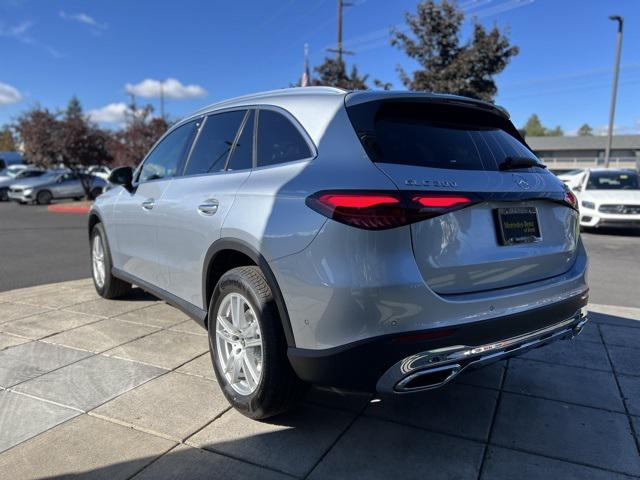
column 16, row 177
column 55, row 185
column 368, row 240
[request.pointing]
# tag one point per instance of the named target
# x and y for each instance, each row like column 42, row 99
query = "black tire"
column 95, row 193
column 44, row 197
column 4, row 194
column 112, row 287
column 279, row 389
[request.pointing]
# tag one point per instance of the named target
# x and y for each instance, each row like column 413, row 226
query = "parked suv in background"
column 55, row 185
column 609, row 198
column 367, row 240
column 16, row 177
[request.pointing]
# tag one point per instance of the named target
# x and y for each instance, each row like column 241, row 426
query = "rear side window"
column 434, row 135
column 214, row 142
column 279, row 141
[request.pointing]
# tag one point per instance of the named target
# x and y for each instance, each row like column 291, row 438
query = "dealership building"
column 568, row 153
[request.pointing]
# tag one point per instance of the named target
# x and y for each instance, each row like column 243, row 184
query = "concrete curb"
column 68, row 209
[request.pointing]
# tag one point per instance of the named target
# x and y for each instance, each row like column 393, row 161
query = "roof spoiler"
column 358, row 97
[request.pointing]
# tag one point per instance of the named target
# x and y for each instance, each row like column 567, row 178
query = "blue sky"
column 215, row 50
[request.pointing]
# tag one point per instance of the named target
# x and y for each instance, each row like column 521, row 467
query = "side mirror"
column 577, row 188
column 122, row 176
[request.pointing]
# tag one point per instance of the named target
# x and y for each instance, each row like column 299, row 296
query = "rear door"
column 197, row 202
column 517, row 230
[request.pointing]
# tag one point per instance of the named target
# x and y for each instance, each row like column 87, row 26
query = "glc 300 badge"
column 431, row 183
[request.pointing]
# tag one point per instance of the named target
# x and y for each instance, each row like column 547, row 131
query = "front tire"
column 248, row 348
column 106, row 284
column 44, row 197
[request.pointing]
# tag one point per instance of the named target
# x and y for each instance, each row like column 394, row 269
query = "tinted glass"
column 438, row 136
column 279, row 141
column 214, row 143
column 613, row 181
column 242, row 156
column 164, row 160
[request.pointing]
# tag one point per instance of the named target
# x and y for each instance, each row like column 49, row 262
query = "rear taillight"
column 571, row 199
column 383, row 210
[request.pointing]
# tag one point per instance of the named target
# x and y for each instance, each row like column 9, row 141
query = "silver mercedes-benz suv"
column 365, row 240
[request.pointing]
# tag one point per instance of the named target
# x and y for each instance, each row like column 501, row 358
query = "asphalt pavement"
column 38, row 247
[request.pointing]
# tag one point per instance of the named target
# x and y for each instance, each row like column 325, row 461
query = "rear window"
column 435, row 135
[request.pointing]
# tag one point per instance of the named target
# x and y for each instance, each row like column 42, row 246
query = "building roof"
column 596, row 142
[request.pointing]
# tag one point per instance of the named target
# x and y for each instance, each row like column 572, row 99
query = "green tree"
column 534, row 128
column 448, row 64
column 585, row 130
column 7, row 140
column 333, row 73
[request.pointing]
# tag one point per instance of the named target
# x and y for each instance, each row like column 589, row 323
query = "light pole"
column 614, row 88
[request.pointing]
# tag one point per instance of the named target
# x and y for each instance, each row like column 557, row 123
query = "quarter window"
column 164, row 160
column 214, row 143
column 279, row 141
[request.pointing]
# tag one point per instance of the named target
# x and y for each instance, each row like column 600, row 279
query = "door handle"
column 148, row 204
column 209, row 207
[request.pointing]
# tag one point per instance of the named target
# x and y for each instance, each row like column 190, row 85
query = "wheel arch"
column 94, row 219
column 211, row 273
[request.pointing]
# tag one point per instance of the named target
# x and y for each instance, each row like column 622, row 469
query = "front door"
column 137, row 213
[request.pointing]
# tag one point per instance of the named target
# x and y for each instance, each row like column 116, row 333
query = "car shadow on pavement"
column 570, row 409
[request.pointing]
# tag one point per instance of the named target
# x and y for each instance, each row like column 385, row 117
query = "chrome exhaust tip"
column 428, row 378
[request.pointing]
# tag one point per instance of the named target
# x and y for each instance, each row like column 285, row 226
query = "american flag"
column 306, row 77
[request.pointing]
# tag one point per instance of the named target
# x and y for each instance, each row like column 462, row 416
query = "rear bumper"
column 395, row 363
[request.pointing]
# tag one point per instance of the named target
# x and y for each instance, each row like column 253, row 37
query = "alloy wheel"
column 239, row 343
column 97, row 261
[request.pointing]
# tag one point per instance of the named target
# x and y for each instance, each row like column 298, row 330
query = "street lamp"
column 614, row 88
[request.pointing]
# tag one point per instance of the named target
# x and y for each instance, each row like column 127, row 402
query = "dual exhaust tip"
column 438, row 376
column 428, row 379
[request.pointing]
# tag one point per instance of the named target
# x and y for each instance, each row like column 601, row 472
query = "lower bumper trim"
column 435, row 368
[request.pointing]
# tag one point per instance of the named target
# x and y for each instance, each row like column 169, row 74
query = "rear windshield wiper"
column 510, row 163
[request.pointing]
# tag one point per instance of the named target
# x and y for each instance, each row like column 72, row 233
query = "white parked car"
column 572, row 178
column 99, row 171
column 609, row 198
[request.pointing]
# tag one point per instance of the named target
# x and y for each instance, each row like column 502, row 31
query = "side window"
column 279, row 141
column 242, row 156
column 214, row 142
column 165, row 159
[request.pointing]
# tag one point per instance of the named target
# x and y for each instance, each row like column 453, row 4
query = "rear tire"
column 106, row 284
column 44, row 197
column 278, row 388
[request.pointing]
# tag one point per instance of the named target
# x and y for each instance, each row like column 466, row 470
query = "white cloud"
column 9, row 94
column 21, row 33
column 113, row 113
column 84, row 19
column 172, row 88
